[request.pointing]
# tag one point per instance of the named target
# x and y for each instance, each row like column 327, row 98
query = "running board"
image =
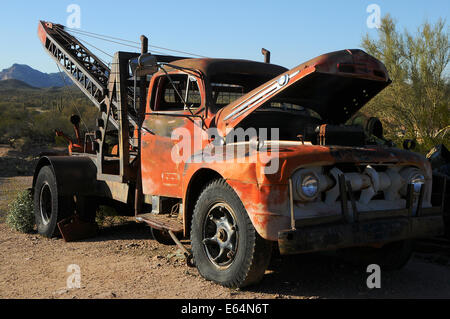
column 161, row 222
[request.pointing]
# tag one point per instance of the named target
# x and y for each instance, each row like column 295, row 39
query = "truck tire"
column 49, row 208
column 392, row 256
column 225, row 245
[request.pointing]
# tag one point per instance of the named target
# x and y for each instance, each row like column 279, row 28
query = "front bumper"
column 374, row 232
column 352, row 229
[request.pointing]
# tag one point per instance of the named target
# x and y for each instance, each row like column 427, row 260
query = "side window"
column 170, row 94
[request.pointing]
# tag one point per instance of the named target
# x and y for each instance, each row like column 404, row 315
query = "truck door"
column 168, row 122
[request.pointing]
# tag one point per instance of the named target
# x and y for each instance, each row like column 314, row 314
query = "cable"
column 132, row 46
column 105, row 37
column 104, row 52
column 99, row 35
column 92, row 36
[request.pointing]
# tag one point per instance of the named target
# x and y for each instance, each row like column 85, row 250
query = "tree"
column 416, row 105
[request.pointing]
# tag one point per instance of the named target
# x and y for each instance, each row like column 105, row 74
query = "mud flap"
column 73, row 229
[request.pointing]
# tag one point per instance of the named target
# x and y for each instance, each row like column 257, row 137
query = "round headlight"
column 306, row 185
column 417, row 180
column 414, row 176
column 310, row 186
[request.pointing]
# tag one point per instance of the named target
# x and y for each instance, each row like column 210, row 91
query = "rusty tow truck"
column 304, row 182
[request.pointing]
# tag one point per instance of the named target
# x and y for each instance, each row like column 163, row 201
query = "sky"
column 294, row 31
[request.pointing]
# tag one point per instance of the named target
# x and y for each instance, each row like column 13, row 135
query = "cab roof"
column 211, row 67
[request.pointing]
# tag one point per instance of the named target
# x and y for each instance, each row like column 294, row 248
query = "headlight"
column 310, row 186
column 306, row 185
column 417, row 180
column 412, row 176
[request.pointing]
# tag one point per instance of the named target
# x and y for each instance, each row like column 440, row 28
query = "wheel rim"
column 45, row 203
column 220, row 235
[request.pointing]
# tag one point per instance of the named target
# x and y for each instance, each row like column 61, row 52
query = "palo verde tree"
column 416, row 105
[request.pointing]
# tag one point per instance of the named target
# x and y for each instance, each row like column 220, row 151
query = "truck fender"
column 74, row 175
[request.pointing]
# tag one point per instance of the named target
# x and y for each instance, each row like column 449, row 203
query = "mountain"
column 34, row 77
column 13, row 84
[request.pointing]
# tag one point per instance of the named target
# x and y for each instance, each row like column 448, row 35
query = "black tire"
column 392, row 256
column 49, row 208
column 219, row 210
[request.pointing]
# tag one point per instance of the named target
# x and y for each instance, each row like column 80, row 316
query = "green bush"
column 20, row 215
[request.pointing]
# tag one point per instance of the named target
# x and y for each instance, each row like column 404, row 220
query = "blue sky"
column 294, row 31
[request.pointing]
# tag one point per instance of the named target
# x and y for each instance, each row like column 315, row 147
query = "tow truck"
column 239, row 157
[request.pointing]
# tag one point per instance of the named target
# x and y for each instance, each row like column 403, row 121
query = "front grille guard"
column 353, row 216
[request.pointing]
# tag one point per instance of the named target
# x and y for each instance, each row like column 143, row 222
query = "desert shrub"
column 416, row 105
column 20, row 213
column 107, row 216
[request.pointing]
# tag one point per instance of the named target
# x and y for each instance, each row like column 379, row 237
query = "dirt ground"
column 123, row 261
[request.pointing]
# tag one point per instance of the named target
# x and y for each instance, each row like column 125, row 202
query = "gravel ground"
column 125, row 262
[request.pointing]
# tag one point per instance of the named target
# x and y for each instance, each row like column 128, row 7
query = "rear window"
column 223, row 93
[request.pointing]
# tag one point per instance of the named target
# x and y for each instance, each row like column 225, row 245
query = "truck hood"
column 335, row 85
column 296, row 155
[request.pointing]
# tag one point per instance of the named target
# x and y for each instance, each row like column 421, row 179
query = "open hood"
column 335, row 85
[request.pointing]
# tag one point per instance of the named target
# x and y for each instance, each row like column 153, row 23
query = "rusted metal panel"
column 266, row 205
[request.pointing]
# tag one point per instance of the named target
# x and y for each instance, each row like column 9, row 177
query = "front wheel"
column 225, row 245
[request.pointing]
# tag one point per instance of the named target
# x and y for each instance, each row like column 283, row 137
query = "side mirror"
column 143, row 65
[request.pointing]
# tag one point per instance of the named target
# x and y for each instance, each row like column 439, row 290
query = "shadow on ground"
column 126, row 231
column 328, row 276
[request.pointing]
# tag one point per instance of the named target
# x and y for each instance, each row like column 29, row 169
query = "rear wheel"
column 225, row 245
column 49, row 208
